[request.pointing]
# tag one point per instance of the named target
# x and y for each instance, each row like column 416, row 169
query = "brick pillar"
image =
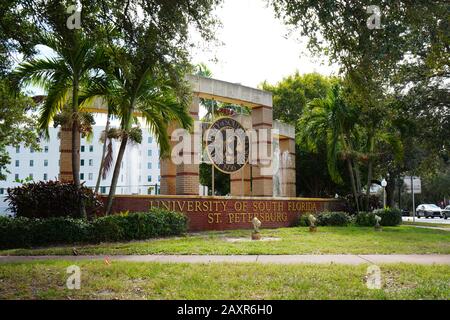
column 237, row 188
column 187, row 175
column 287, row 167
column 168, row 169
column 65, row 156
column 262, row 172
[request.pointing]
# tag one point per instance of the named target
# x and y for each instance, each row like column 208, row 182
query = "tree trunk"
column 352, row 180
column 75, row 137
column 369, row 183
column 390, row 189
column 370, row 148
column 358, row 183
column 102, row 162
column 65, row 155
column 115, row 178
column 76, row 144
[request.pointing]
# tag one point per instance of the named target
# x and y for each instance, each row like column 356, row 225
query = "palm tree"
column 331, row 122
column 75, row 63
column 147, row 94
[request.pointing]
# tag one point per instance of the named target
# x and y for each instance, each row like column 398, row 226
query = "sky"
column 256, row 47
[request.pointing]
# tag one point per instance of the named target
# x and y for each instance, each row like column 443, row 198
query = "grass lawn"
column 131, row 280
column 327, row 240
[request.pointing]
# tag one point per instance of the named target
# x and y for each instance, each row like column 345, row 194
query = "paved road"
column 350, row 259
column 431, row 221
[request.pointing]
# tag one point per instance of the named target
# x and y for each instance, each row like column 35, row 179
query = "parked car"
column 446, row 212
column 405, row 212
column 428, row 210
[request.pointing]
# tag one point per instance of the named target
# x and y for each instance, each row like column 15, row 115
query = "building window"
column 45, row 177
column 102, row 189
column 30, row 176
column 149, row 152
column 149, row 178
column 149, row 165
column 150, row 139
column 139, row 178
column 31, row 163
column 2, row 190
column 90, row 176
column 121, row 178
column 82, row 176
column 17, row 163
column 46, row 149
column 159, row 178
column 45, row 163
column 91, row 148
column 82, row 148
column 31, row 150
column 18, row 149
column 82, row 162
column 91, row 162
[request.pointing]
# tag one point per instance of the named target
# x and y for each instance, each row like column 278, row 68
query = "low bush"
column 136, row 226
column 49, row 199
column 337, row 218
column 389, row 217
column 303, row 220
column 25, row 232
column 365, row 219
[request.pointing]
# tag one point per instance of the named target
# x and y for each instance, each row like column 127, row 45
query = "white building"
column 140, row 172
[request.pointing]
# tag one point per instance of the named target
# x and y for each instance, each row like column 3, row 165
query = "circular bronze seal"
column 227, row 145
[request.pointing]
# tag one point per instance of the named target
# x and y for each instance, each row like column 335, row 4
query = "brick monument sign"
column 261, row 165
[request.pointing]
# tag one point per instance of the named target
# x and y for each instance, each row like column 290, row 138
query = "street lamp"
column 384, row 184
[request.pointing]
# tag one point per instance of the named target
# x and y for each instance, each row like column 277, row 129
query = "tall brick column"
column 261, row 179
column 168, row 169
column 187, row 175
column 65, row 149
column 287, row 167
column 239, row 187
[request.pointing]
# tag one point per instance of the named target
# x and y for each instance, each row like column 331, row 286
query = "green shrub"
column 365, row 219
column 24, row 232
column 48, row 199
column 337, row 218
column 389, row 217
column 139, row 225
column 303, row 220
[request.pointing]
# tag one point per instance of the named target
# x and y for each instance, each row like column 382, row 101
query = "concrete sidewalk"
column 351, row 259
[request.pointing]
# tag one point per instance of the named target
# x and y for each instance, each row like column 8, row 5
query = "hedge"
column 389, row 217
column 48, row 199
column 25, row 232
column 337, row 218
